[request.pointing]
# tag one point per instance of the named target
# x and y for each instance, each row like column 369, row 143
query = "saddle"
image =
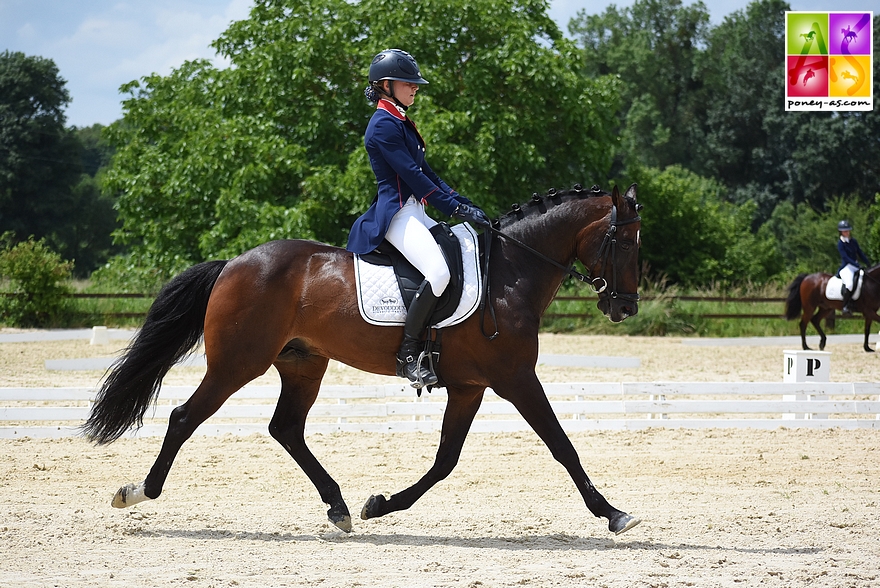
column 833, row 290
column 409, row 278
column 384, row 303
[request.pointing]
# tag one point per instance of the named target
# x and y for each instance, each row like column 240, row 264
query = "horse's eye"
column 626, row 244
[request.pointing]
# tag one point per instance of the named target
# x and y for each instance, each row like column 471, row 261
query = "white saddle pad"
column 379, row 297
column 835, row 284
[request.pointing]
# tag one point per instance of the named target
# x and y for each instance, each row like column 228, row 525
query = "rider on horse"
column 850, row 253
column 405, row 184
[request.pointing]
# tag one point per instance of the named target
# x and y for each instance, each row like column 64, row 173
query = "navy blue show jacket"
column 850, row 253
column 397, row 156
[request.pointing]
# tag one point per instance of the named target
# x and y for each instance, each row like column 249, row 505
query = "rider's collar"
column 394, row 109
column 844, row 239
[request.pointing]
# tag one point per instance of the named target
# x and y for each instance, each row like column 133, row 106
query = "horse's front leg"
column 461, row 408
column 300, row 382
column 527, row 395
column 870, row 315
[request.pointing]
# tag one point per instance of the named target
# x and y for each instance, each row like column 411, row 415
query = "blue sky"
column 99, row 45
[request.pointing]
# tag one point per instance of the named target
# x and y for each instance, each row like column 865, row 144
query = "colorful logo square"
column 849, row 75
column 807, row 33
column 829, row 61
column 808, row 76
column 849, row 33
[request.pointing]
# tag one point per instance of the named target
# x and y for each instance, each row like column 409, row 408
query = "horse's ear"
column 615, row 196
column 631, row 192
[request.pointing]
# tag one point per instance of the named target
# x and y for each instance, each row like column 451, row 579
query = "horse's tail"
column 793, row 307
column 174, row 325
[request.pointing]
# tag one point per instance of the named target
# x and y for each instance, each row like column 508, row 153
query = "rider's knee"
column 439, row 279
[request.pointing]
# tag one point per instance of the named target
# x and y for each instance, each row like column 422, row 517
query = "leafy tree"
column 653, row 46
column 210, row 162
column 43, row 190
column 38, row 155
column 760, row 151
column 742, row 68
column 807, row 239
column 96, row 151
column 690, row 235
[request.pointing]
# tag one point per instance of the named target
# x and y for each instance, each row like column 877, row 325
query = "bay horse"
column 806, row 296
column 291, row 304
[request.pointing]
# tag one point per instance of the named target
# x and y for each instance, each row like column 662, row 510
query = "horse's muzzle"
column 618, row 309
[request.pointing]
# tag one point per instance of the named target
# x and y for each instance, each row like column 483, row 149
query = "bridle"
column 608, row 249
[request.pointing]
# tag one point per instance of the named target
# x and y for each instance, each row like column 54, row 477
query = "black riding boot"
column 847, row 299
column 412, row 361
column 848, row 294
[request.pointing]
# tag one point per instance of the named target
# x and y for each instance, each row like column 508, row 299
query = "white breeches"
column 409, row 233
column 847, row 273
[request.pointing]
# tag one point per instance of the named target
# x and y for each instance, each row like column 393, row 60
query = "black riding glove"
column 472, row 214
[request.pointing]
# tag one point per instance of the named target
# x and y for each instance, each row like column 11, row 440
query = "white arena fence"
column 57, row 412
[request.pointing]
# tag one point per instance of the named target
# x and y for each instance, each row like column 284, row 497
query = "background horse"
column 806, row 295
column 292, row 304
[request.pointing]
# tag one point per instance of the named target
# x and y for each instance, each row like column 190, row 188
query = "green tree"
column 47, row 171
column 760, row 151
column 742, row 69
column 653, row 46
column 807, row 239
column 210, row 162
column 691, row 236
column 38, row 155
column 96, row 151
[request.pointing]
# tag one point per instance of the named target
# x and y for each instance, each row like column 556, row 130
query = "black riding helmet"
column 394, row 65
column 844, row 226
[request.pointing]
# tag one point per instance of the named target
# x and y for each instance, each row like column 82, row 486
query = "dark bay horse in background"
column 806, row 296
column 292, row 304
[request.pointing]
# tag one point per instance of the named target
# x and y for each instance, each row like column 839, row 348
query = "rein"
column 608, row 248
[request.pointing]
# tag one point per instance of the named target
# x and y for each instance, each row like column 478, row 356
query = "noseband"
column 607, row 250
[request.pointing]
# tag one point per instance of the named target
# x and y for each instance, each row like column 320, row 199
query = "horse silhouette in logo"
column 808, row 36
column 849, row 35
column 809, row 75
column 848, row 76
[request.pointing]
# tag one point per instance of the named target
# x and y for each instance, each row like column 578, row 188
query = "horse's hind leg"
column 805, row 319
column 525, row 392
column 461, row 408
column 816, row 321
column 867, row 335
column 208, row 397
column 301, row 376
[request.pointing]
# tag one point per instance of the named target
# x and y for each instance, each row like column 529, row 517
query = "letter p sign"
column 813, row 364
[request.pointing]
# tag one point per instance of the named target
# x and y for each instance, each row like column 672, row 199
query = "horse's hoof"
column 129, row 495
column 373, row 507
column 869, row 350
column 339, row 516
column 622, row 522
column 344, row 523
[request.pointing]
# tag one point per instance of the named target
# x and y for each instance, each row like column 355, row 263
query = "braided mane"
column 539, row 204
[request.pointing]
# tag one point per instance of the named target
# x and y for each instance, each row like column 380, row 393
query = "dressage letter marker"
column 806, row 366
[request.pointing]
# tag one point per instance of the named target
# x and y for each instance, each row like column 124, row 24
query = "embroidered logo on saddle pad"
column 381, row 302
